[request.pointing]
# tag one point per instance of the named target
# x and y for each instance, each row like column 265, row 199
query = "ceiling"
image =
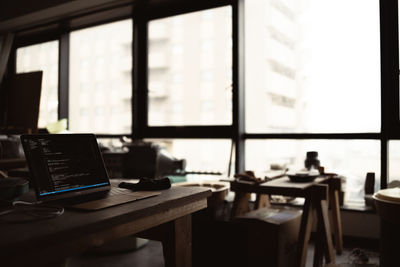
column 15, row 8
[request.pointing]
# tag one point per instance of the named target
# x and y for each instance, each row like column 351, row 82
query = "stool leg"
column 305, row 231
column 324, row 230
column 262, row 201
column 240, row 204
column 319, row 242
column 320, row 197
column 334, row 188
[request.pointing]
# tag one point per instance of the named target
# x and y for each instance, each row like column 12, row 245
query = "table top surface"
column 74, row 222
column 286, row 182
column 282, row 186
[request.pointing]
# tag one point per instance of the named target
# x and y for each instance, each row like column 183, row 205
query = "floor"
column 150, row 255
column 351, row 257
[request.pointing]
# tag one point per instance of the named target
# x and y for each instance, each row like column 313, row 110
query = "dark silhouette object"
column 148, row 184
column 312, row 161
column 20, row 103
column 388, row 207
column 369, row 186
column 149, row 160
column 369, row 183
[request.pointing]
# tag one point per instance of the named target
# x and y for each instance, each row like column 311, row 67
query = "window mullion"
column 63, row 80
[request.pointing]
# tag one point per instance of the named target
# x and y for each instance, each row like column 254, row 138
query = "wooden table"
column 317, row 195
column 166, row 217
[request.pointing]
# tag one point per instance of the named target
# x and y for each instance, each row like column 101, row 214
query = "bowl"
column 302, row 178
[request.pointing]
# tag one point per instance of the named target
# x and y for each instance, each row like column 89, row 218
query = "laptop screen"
column 64, row 163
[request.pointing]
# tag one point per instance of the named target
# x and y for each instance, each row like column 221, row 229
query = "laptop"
column 69, row 169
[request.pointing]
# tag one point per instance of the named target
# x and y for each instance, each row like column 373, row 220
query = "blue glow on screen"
column 71, row 189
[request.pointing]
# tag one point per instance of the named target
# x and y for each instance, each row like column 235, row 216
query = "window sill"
column 357, row 207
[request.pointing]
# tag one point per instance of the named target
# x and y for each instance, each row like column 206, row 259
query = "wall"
column 358, row 224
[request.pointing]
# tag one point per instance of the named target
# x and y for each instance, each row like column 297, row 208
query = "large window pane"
column 43, row 57
column 190, row 69
column 312, row 66
column 100, row 79
column 350, row 158
column 205, row 155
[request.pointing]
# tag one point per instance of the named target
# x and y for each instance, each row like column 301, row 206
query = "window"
column 311, row 67
column 43, row 57
column 309, row 72
column 312, row 81
column 188, row 53
column 351, row 159
column 100, row 89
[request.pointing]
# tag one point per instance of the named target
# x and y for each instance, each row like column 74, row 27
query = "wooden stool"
column 319, row 194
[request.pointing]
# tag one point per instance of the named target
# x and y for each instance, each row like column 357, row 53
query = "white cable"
column 16, row 202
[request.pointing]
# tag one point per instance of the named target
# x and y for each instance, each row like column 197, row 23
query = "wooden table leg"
column 176, row 239
column 305, row 231
column 334, row 190
column 178, row 247
column 240, row 204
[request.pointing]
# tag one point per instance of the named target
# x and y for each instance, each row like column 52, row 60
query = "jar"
column 312, row 161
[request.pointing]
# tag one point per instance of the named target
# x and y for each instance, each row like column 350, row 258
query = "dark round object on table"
column 312, row 160
column 298, row 178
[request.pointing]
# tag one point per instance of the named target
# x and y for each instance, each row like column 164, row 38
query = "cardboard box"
column 272, row 235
